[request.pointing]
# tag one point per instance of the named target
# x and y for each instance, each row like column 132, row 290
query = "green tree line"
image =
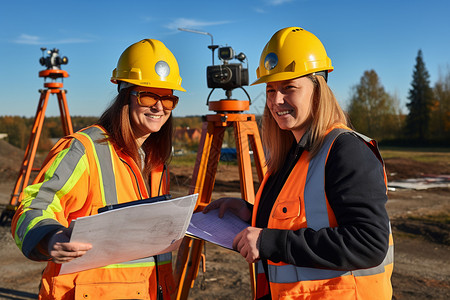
column 371, row 109
column 18, row 129
column 376, row 113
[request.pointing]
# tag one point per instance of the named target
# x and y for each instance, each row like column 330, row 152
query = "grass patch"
column 418, row 154
column 421, row 155
column 441, row 218
column 184, row 160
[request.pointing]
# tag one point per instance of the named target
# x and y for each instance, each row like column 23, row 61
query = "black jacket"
column 355, row 188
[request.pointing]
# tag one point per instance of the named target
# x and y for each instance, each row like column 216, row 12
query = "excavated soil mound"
column 10, row 159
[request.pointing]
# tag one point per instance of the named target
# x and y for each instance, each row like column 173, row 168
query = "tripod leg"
column 258, row 152
column 246, row 132
column 203, row 182
column 241, row 132
column 30, row 152
column 64, row 112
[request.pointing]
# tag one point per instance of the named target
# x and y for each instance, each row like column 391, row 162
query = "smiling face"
column 147, row 119
column 290, row 103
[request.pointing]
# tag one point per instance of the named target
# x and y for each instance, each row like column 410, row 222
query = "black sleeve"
column 355, row 188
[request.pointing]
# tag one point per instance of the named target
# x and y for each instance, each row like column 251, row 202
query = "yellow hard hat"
column 290, row 53
column 148, row 63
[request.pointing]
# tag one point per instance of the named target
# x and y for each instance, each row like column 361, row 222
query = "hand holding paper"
column 62, row 250
column 211, row 228
column 247, row 243
column 130, row 233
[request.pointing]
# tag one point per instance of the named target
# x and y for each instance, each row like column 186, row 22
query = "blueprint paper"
column 211, row 228
column 131, row 233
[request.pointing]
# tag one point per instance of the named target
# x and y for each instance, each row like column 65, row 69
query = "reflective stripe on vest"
column 259, row 269
column 47, row 196
column 103, row 157
column 315, row 199
column 316, row 218
column 291, row 273
column 109, row 193
column 163, row 259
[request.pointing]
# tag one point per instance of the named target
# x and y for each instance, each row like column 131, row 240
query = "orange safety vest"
column 97, row 174
column 303, row 203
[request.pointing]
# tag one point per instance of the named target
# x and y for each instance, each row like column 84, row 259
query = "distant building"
column 193, row 134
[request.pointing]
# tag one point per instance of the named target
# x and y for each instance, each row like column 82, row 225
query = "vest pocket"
column 286, row 209
column 341, row 295
column 341, row 288
column 112, row 290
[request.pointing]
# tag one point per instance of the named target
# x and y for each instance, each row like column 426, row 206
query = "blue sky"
column 358, row 35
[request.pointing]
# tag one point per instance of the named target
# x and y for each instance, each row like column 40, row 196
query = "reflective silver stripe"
column 389, row 259
column 140, row 260
column 165, row 257
column 363, row 137
column 259, row 269
column 104, row 156
column 162, row 259
column 315, row 201
column 49, row 188
column 60, row 177
column 290, row 273
column 317, row 217
column 105, row 159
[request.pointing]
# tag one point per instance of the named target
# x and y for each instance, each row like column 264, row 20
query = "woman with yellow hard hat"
column 121, row 158
column 319, row 226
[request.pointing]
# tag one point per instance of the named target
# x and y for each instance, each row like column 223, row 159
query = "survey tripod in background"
column 54, row 73
column 229, row 113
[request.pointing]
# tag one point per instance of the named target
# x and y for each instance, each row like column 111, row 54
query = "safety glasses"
column 149, row 99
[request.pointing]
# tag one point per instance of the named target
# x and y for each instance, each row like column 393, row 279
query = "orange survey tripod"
column 26, row 168
column 228, row 113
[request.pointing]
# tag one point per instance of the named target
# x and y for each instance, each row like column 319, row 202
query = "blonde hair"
column 325, row 113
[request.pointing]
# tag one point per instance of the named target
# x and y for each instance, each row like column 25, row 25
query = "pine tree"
column 420, row 102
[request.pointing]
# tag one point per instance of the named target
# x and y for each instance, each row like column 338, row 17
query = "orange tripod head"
column 53, row 63
column 53, row 74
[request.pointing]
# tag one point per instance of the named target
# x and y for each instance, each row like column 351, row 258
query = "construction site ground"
column 420, row 222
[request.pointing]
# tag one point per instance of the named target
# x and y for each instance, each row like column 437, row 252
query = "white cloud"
column 192, row 24
column 277, row 2
column 36, row 40
column 147, row 19
column 28, row 39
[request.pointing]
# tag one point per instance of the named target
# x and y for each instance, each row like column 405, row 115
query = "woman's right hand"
column 237, row 206
column 61, row 250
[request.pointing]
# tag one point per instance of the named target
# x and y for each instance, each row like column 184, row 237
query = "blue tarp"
column 228, row 154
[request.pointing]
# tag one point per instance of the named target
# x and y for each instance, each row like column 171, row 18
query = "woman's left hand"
column 61, row 250
column 246, row 243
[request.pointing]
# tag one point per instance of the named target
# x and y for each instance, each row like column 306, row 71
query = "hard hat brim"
column 286, row 76
column 159, row 84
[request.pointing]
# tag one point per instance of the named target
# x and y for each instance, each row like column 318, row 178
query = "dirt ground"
column 419, row 219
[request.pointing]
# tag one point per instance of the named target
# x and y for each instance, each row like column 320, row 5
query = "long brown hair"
column 117, row 123
column 325, row 113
